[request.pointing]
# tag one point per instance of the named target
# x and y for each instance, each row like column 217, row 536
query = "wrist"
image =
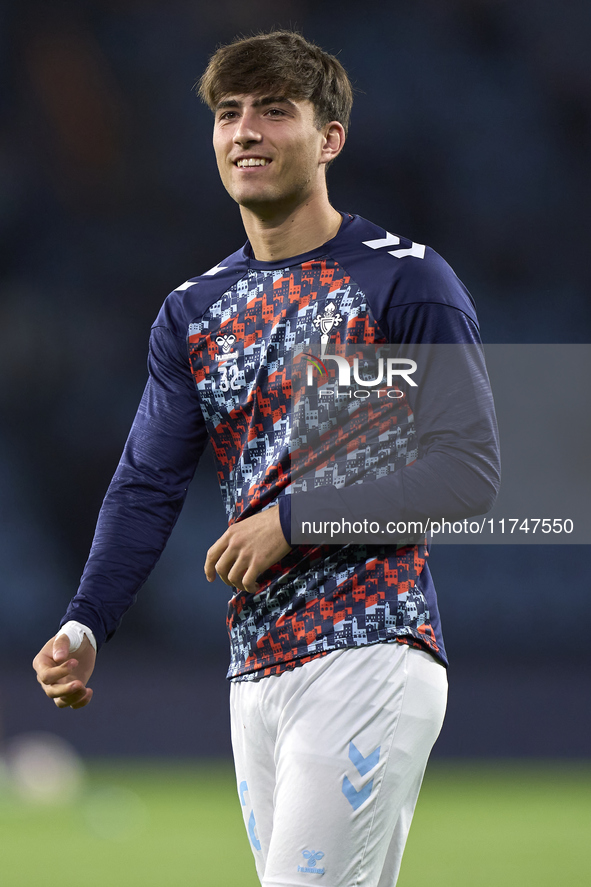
column 76, row 632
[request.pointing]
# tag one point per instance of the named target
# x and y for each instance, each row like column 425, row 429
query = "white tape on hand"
column 75, row 632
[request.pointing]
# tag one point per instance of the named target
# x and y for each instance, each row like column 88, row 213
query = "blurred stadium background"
column 471, row 132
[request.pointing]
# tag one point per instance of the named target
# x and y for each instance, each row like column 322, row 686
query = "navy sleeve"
column 147, row 492
column 457, row 472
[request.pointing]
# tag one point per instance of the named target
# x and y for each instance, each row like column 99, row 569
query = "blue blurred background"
column 471, row 131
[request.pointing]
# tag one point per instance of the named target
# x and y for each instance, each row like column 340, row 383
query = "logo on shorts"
column 363, row 765
column 312, row 857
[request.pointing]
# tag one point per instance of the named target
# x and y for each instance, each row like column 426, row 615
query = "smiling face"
column 270, row 154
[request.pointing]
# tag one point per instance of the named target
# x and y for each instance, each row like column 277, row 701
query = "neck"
column 290, row 231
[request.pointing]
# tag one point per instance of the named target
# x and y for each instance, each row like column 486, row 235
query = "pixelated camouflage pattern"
column 272, row 439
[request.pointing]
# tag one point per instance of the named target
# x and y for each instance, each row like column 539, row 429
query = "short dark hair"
column 283, row 62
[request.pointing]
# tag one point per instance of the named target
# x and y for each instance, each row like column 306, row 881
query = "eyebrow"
column 258, row 103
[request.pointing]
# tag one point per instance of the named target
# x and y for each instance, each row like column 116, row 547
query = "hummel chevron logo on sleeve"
column 214, row 270
column 388, row 240
column 185, row 286
column 415, row 249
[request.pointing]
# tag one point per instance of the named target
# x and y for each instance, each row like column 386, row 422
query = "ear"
column 333, row 141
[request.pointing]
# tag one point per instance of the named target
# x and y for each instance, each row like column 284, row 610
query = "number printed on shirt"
column 230, row 378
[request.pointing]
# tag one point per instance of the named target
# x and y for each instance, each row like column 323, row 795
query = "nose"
column 246, row 132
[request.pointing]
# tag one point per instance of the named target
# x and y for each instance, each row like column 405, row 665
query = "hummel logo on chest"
column 225, row 343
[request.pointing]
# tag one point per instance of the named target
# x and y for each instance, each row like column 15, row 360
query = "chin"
column 256, row 202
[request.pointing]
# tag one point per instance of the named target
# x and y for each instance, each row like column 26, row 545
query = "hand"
column 64, row 679
column 246, row 550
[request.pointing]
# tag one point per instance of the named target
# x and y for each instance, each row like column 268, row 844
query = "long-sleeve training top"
column 229, row 360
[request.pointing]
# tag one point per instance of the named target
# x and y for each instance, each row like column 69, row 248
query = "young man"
column 338, row 665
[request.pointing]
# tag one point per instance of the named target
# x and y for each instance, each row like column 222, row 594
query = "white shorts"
column 329, row 762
